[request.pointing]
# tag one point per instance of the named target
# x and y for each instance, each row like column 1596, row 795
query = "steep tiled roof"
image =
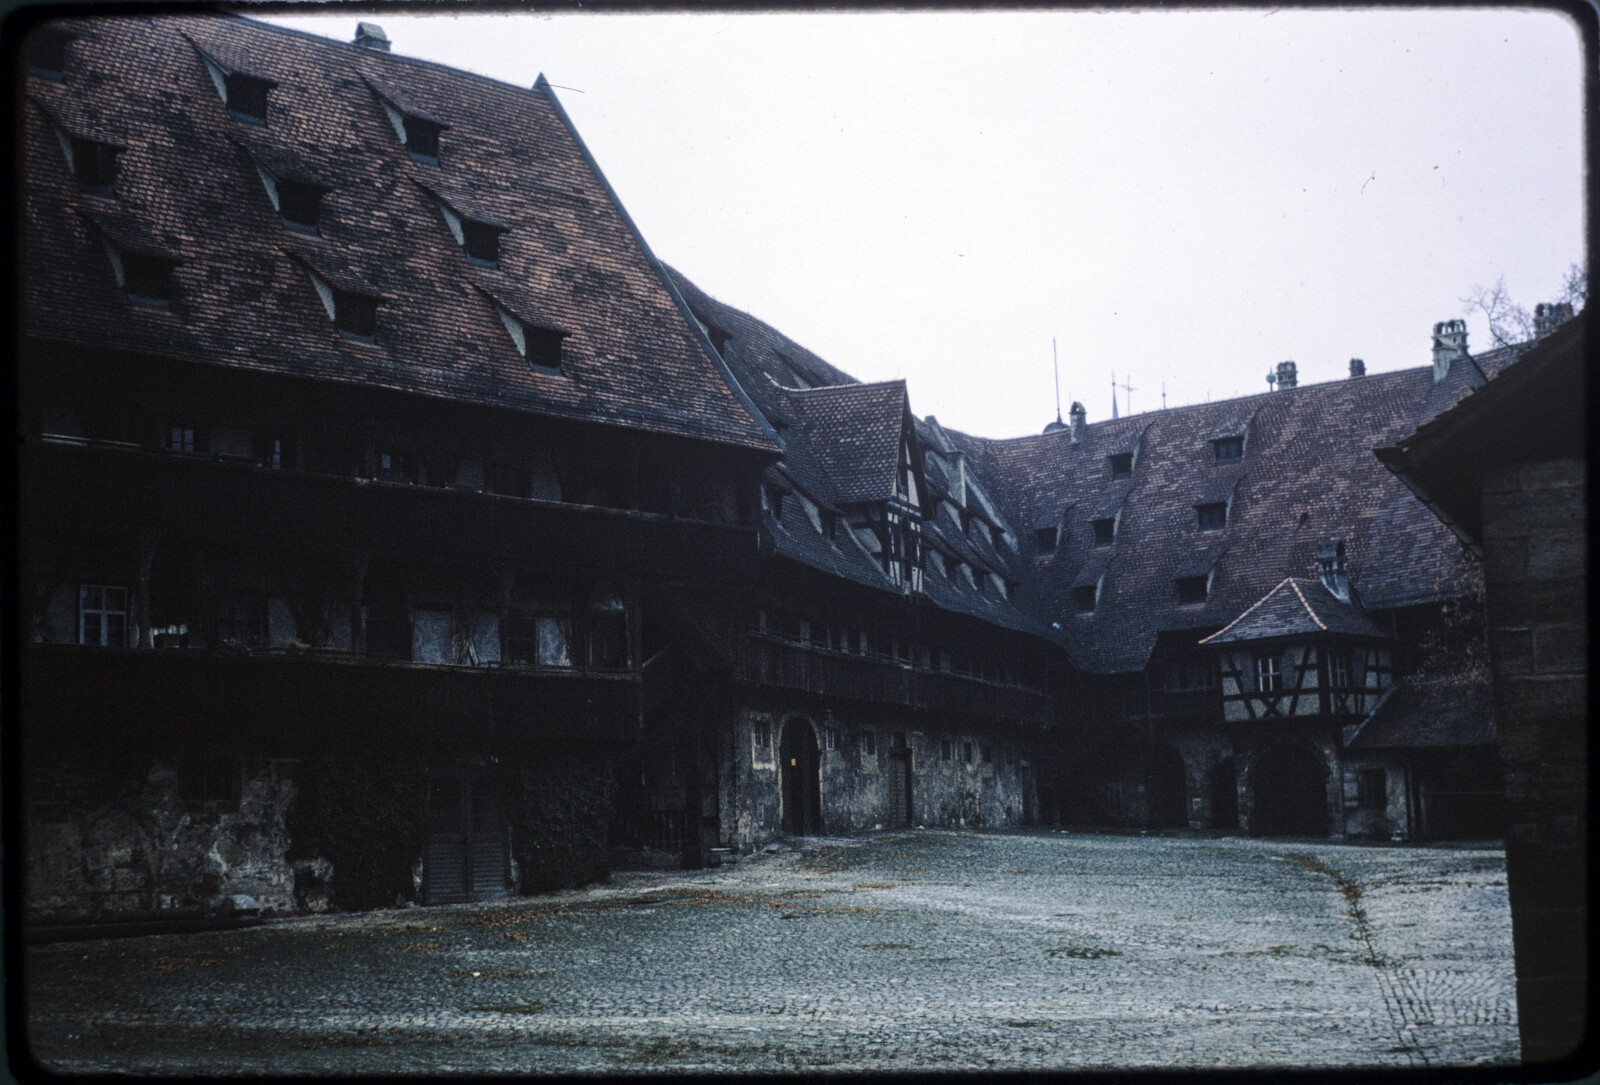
column 852, row 433
column 187, row 186
column 1430, row 710
column 1298, row 606
column 1307, row 474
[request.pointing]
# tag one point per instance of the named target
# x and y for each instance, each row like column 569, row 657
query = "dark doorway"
column 1166, row 791
column 1291, row 799
column 900, row 816
column 1224, row 790
column 466, row 855
column 802, row 787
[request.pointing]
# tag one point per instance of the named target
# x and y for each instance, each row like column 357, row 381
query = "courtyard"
column 926, row 950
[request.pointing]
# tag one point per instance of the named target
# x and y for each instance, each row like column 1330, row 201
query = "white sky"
column 1181, row 198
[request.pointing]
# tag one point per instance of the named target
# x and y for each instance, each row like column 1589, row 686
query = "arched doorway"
column 1223, row 787
column 802, row 787
column 1166, row 795
column 1290, row 786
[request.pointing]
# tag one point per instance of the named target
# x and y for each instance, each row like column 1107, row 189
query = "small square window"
column 761, row 739
column 147, row 278
column 182, row 437
column 1122, row 465
column 247, row 97
column 831, row 738
column 422, row 139
column 300, row 206
column 1105, row 532
column 1212, row 517
column 482, row 242
column 1085, row 598
column 1229, row 449
column 47, row 52
column 94, row 163
column 869, row 744
column 1046, row 538
column 966, row 752
column 544, row 348
column 355, row 315
column 1191, row 589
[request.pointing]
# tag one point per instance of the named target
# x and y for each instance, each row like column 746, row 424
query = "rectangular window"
column 47, row 52
column 1229, row 449
column 247, row 97
column 147, row 278
column 272, row 452
column 181, row 437
column 1269, row 674
column 1191, row 589
column 396, row 466
column 1105, row 531
column 831, row 738
column 1338, row 669
column 1084, row 597
column 966, row 752
column 1371, row 789
column 94, row 163
column 1046, row 538
column 947, row 751
column 555, row 641
column 608, row 642
column 422, row 139
column 1213, row 517
column 544, row 352
column 1121, row 465
column 356, row 315
column 482, row 242
column 103, row 616
column 761, row 739
column 869, row 744
column 300, row 206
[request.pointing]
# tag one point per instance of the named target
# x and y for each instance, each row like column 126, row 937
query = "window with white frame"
column 103, row 615
column 1269, row 674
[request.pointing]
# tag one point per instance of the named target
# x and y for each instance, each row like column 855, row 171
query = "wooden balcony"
column 299, row 703
column 768, row 660
column 100, row 486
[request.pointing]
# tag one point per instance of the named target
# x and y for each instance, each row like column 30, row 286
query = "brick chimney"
column 1078, row 421
column 371, row 36
column 1286, row 375
column 1550, row 315
column 1358, row 368
column 1449, row 344
column 1331, row 569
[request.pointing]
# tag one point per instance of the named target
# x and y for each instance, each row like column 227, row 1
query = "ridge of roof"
column 1249, row 611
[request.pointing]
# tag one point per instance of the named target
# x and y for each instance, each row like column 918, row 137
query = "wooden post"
column 148, row 542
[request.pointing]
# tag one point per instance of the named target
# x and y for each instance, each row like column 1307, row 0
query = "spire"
column 1113, row 393
column 1056, row 362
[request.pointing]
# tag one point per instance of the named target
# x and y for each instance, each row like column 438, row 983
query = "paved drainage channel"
column 906, row 951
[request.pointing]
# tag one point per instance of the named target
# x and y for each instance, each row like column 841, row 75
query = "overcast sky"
column 1185, row 199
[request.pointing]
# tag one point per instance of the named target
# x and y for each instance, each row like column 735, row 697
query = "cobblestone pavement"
column 894, row 951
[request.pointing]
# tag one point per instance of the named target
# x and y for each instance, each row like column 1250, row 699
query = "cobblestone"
column 894, row 951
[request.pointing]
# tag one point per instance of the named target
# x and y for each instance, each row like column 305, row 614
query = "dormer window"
column 540, row 346
column 1191, row 589
column 145, row 278
column 298, row 203
column 422, row 139
column 246, row 97
column 718, row 337
column 482, row 242
column 93, row 163
column 1229, row 449
column 1105, row 531
column 356, row 315
column 1212, row 516
column 1085, row 598
column 1045, row 539
column 1121, row 465
column 47, row 52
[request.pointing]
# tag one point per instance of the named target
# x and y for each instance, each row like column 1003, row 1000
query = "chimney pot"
column 1548, row 316
column 1358, row 368
column 1449, row 344
column 1286, row 375
column 1079, row 421
column 371, row 36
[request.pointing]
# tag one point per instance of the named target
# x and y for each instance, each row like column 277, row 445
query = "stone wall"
column 1535, row 563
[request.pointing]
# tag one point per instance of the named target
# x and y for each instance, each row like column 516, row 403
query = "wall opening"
column 802, row 786
column 1290, row 785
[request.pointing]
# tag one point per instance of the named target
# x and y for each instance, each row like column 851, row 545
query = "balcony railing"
column 771, row 660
